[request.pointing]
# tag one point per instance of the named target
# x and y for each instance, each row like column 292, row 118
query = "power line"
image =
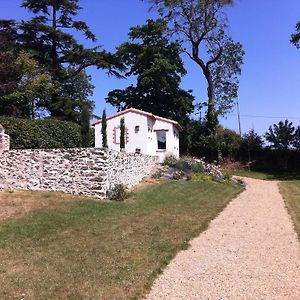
column 264, row 117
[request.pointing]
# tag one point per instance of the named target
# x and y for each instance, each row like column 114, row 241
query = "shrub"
column 198, row 167
column 170, row 160
column 42, row 133
column 119, row 193
column 200, row 177
column 157, row 174
column 182, row 165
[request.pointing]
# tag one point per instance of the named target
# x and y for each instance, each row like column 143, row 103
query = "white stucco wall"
column 144, row 139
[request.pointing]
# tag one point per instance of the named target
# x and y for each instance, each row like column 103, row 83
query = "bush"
column 198, row 168
column 119, row 193
column 42, row 133
column 158, row 174
column 200, row 177
column 170, row 160
column 182, row 165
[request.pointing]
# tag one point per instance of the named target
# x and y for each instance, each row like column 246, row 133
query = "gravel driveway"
column 250, row 251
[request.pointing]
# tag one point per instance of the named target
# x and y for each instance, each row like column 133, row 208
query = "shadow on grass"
column 266, row 174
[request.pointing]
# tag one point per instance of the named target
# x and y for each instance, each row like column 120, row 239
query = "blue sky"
column 269, row 85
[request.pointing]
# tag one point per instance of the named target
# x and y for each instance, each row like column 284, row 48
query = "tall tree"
column 48, row 35
column 281, row 135
column 158, row 68
column 34, row 84
column 85, row 127
column 9, row 72
column 201, row 26
column 104, row 129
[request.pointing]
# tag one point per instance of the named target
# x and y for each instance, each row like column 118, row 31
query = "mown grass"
column 85, row 249
column 265, row 175
column 290, row 191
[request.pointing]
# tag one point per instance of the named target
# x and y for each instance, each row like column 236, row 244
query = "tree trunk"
column 54, row 107
column 207, row 74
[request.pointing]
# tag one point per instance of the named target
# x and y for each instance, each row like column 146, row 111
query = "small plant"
column 170, row 160
column 200, row 177
column 227, row 176
column 178, row 175
column 182, row 165
column 119, row 193
column 166, row 168
column 198, row 167
column 157, row 174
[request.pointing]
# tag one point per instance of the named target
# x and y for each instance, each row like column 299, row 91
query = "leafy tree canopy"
column 157, row 65
column 49, row 40
column 201, row 26
column 281, row 135
column 296, row 36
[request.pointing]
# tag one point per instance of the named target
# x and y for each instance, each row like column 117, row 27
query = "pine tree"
column 122, row 134
column 104, row 130
column 48, row 36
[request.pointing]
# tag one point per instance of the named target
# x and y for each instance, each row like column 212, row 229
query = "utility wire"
column 264, row 117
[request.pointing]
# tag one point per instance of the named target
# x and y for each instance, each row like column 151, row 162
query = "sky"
column 270, row 80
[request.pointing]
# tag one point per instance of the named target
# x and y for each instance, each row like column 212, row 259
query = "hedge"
column 42, row 133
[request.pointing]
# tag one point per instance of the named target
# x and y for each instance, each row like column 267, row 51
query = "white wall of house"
column 141, row 135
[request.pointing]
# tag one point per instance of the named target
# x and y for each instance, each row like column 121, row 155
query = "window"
column 161, row 140
column 136, row 128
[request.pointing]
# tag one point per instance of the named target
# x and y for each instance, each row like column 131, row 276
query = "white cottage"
column 145, row 133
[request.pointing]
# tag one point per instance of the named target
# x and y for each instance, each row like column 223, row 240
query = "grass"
column 84, row 249
column 290, row 191
column 266, row 175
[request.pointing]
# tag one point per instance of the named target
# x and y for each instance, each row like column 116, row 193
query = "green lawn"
column 85, row 249
column 291, row 193
column 265, row 175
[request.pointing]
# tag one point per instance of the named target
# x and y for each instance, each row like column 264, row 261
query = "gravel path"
column 250, row 251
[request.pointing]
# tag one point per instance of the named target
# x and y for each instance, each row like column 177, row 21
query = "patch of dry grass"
column 18, row 203
column 290, row 191
column 85, row 249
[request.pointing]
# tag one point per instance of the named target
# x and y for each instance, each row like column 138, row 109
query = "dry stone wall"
column 88, row 171
column 129, row 168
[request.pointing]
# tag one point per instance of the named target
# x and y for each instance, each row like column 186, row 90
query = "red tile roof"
column 141, row 112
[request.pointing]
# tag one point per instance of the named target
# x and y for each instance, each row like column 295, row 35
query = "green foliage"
column 47, row 37
column 31, row 84
column 44, row 134
column 104, row 129
column 281, row 135
column 202, row 25
column 296, row 36
column 170, row 160
column 119, row 193
column 182, row 165
column 85, row 127
column 158, row 67
column 200, row 177
column 296, row 142
column 222, row 143
column 158, row 174
column 122, row 133
column 252, row 141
